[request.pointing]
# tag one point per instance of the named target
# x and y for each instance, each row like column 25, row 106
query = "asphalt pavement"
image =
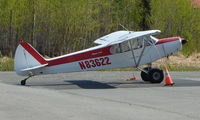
column 99, row 96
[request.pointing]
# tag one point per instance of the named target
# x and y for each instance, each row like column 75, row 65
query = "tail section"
column 27, row 59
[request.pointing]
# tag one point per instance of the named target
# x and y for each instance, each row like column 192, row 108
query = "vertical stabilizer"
column 27, row 59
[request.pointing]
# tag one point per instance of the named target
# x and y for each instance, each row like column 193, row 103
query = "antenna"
column 124, row 28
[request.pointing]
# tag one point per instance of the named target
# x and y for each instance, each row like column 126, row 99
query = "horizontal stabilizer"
column 34, row 68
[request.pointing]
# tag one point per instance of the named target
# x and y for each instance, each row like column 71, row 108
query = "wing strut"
column 130, row 46
column 141, row 52
column 137, row 62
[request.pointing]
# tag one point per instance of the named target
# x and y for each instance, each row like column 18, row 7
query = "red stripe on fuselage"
column 165, row 40
column 33, row 52
column 81, row 56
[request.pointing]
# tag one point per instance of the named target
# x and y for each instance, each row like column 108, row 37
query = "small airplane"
column 119, row 49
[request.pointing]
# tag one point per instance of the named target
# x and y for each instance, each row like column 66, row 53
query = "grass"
column 6, row 64
column 170, row 67
column 182, row 67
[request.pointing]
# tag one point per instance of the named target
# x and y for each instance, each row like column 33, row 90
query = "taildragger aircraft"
column 116, row 50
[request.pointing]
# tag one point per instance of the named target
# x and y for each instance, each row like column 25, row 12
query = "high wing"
column 121, row 36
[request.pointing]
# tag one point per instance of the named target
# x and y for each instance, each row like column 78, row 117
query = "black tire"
column 156, row 75
column 145, row 76
column 23, row 82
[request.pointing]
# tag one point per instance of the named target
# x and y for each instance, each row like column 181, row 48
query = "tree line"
column 55, row 27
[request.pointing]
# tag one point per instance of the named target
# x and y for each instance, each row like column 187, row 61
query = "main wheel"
column 156, row 75
column 144, row 75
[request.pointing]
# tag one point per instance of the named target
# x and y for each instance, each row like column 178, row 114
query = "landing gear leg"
column 23, row 82
column 145, row 74
column 149, row 66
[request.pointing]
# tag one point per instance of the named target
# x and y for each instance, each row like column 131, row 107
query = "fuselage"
column 110, row 57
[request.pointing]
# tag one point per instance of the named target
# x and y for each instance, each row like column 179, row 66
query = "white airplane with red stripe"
column 116, row 50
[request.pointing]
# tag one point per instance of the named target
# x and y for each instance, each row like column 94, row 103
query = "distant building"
column 195, row 3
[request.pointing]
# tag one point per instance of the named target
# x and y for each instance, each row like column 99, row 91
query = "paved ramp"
column 99, row 95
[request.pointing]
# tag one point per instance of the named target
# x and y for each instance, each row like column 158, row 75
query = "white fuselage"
column 88, row 60
column 116, row 50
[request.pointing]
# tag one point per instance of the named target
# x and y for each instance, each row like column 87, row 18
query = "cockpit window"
column 124, row 46
column 153, row 39
column 135, row 44
column 115, row 49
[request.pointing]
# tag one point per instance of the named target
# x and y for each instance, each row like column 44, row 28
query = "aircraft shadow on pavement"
column 71, row 84
column 91, row 84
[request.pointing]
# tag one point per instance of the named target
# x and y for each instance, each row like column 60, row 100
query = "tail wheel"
column 156, row 75
column 23, row 82
column 144, row 75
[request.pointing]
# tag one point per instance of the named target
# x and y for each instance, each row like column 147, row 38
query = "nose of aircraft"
column 183, row 41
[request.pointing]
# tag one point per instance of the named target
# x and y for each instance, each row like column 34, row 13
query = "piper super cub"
column 116, row 50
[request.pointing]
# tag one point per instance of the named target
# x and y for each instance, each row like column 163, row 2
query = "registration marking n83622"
column 93, row 63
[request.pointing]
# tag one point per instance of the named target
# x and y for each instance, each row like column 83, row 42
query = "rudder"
column 27, row 59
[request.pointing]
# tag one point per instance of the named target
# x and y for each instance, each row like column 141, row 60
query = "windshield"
column 153, row 39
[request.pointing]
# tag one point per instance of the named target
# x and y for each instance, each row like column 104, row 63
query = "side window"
column 115, row 49
column 137, row 43
column 124, row 46
column 120, row 48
